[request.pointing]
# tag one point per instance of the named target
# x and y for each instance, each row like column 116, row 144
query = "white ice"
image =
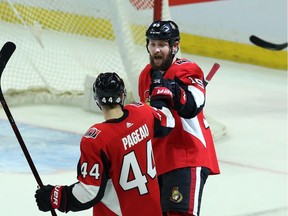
column 250, row 101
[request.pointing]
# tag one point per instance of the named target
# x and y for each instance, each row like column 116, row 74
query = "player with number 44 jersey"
column 116, row 159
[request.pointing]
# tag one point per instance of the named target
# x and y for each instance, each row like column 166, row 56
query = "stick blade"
column 5, row 54
column 267, row 45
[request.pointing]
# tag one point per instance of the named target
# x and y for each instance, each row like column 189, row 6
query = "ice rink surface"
column 250, row 101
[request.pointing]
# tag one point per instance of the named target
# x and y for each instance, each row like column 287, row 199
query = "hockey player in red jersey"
column 116, row 156
column 186, row 157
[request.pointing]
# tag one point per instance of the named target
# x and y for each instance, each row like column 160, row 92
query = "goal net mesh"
column 62, row 45
column 60, row 42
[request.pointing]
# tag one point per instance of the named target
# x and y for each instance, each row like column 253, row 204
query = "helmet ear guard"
column 109, row 89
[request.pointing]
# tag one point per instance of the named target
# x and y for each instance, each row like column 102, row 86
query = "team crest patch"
column 92, row 133
column 176, row 196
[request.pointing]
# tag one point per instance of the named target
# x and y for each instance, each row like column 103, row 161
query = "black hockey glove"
column 160, row 90
column 51, row 197
column 179, row 94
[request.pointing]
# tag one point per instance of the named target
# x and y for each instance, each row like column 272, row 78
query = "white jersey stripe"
column 197, row 95
column 84, row 193
column 197, row 191
column 193, row 127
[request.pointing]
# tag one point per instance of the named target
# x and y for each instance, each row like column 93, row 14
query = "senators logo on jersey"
column 176, row 196
column 92, row 133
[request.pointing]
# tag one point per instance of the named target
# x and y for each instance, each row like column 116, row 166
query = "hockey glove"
column 160, row 89
column 51, row 197
column 179, row 94
column 161, row 94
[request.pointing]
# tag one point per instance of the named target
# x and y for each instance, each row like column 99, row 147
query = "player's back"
column 127, row 146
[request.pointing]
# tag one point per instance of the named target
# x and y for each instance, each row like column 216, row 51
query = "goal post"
column 61, row 43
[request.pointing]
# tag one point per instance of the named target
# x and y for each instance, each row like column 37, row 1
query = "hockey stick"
column 5, row 54
column 267, row 45
column 211, row 73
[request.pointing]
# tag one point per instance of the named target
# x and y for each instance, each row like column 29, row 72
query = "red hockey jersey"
column 120, row 151
column 190, row 143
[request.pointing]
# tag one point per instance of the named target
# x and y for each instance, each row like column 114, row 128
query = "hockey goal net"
column 62, row 45
column 59, row 43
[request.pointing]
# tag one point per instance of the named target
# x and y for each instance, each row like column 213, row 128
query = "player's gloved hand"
column 179, row 94
column 161, row 94
column 51, row 197
column 160, row 90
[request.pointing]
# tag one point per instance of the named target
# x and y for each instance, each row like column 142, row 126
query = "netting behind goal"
column 62, row 45
column 60, row 42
